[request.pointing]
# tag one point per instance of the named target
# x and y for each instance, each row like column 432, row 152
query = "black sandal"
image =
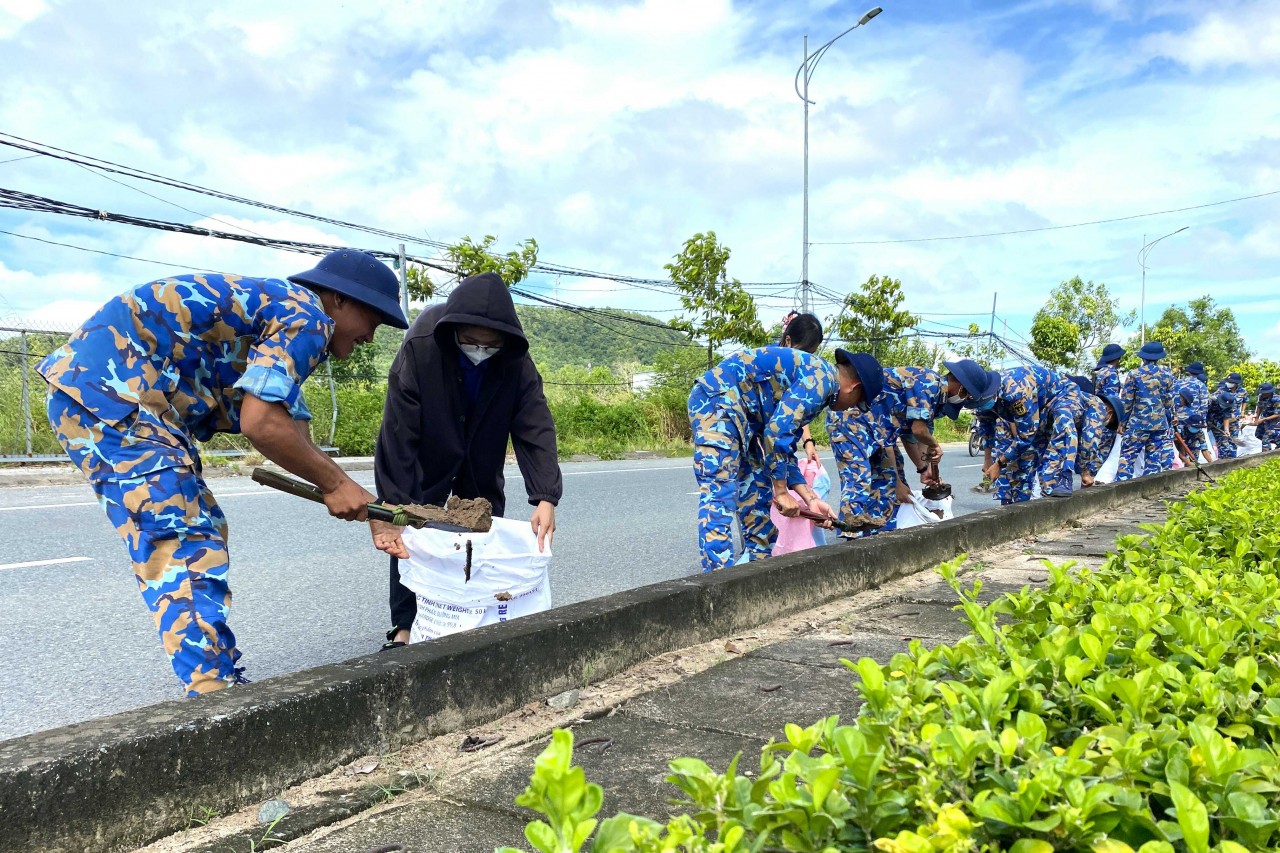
column 390, row 643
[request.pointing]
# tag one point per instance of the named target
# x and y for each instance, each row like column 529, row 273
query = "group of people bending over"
column 749, row 417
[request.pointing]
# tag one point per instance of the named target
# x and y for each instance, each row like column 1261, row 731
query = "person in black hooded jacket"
column 461, row 386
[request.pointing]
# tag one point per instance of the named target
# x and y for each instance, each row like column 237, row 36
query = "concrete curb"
column 125, row 780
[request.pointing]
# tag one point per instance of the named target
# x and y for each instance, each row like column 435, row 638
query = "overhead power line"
column 102, row 165
column 1045, row 227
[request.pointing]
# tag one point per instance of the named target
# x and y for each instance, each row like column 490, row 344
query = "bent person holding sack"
column 173, row 362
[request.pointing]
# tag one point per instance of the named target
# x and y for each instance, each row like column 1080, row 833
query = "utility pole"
column 804, row 262
column 991, row 332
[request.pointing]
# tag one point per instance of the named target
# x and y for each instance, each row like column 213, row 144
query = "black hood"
column 482, row 300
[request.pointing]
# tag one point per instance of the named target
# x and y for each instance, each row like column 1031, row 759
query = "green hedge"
column 1136, row 707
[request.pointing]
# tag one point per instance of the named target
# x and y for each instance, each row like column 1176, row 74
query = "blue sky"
column 611, row 132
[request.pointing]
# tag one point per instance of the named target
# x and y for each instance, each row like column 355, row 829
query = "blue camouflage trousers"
column 732, row 483
column 1049, row 457
column 1156, row 447
column 1226, row 443
column 866, row 480
column 176, row 536
column 1269, row 435
column 1195, row 438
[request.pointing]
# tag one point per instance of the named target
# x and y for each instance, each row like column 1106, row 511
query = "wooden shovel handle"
column 301, row 489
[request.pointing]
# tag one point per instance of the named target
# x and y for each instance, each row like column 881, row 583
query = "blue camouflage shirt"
column 1190, row 402
column 1222, row 407
column 1148, row 398
column 1096, row 438
column 1106, row 380
column 1025, row 395
column 181, row 352
column 913, row 392
column 769, row 394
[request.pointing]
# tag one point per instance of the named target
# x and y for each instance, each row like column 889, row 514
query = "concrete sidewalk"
column 785, row 671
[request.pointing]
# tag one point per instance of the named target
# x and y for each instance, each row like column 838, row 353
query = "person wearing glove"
column 1032, row 424
column 175, row 361
column 745, row 415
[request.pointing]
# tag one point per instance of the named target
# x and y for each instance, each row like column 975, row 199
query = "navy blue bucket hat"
column 1117, row 405
column 362, row 277
column 981, row 383
column 869, row 371
column 1110, row 353
column 1266, row 389
column 1152, row 351
column 1084, row 383
column 1195, row 368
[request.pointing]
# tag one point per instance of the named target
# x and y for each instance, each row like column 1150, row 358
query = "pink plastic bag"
column 796, row 534
column 1177, row 462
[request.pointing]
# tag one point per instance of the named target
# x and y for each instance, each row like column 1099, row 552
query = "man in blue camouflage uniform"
column 1100, row 422
column 915, row 397
column 1221, row 417
column 1148, row 398
column 746, row 414
column 173, row 362
column 1191, row 410
column 1234, row 383
column 1033, row 432
column 871, row 480
column 1268, row 413
column 1106, row 376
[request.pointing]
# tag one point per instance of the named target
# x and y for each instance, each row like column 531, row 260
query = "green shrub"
column 1136, row 707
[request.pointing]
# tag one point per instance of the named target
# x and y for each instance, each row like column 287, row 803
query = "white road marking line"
column 95, row 503
column 44, row 562
column 688, row 466
column 975, row 465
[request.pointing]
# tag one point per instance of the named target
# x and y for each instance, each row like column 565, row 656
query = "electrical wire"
column 110, row 254
column 1045, row 227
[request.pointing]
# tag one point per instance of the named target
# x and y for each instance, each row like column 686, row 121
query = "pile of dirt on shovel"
column 473, row 513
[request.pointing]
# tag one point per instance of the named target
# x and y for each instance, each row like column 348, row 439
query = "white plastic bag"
column 509, row 577
column 1248, row 444
column 1107, row 473
column 920, row 511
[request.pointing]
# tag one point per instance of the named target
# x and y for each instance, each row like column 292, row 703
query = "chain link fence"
column 25, row 434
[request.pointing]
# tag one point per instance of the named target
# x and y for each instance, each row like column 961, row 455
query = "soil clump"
column 473, row 513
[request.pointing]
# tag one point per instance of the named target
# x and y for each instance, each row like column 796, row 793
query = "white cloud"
column 1241, row 34
column 14, row 14
column 612, row 132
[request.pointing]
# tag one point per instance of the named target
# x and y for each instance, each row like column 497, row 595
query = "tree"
column 1200, row 331
column 470, row 258
column 978, row 346
column 720, row 311
column 873, row 320
column 1091, row 309
column 1055, row 340
column 1254, row 373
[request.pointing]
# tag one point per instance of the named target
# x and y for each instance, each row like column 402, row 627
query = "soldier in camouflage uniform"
column 1268, row 412
column 915, row 396
column 1148, row 398
column 175, row 361
column 1106, row 376
column 746, row 414
column 1220, row 415
column 1101, row 420
column 1191, row 410
column 1033, row 432
column 871, row 481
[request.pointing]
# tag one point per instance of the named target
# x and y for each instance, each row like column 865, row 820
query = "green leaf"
column 1193, row 818
column 1031, row 845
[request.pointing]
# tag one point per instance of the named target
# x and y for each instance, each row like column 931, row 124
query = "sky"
column 612, row 132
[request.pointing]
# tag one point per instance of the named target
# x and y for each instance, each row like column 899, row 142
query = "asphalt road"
column 76, row 642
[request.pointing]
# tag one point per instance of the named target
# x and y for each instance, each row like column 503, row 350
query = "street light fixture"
column 807, row 67
column 1142, row 262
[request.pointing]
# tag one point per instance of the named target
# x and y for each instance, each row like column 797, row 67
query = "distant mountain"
column 558, row 337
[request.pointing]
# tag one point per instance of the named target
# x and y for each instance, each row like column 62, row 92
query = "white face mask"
column 957, row 399
column 477, row 353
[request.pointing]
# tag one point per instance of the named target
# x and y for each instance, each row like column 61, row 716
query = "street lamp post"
column 1142, row 262
column 807, row 67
